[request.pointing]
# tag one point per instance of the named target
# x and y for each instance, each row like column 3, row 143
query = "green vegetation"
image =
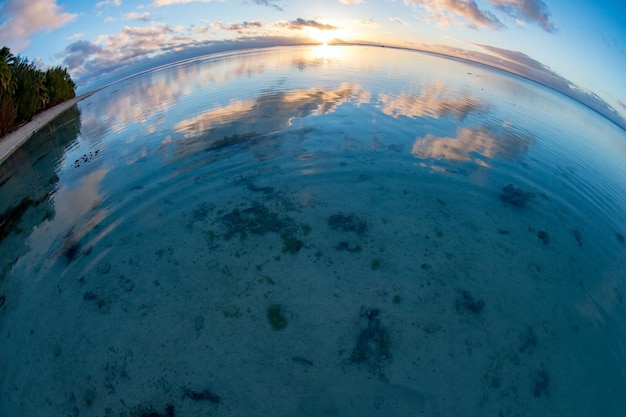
column 291, row 244
column 26, row 90
column 375, row 264
column 276, row 318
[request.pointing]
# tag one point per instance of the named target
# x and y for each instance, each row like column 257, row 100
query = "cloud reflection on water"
column 224, row 108
column 273, row 111
column 435, row 100
column 473, row 144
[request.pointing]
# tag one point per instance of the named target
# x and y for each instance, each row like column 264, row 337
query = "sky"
column 575, row 46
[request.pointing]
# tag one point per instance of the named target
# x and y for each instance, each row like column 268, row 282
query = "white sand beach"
column 11, row 142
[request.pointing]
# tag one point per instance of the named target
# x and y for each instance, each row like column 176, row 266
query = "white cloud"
column 108, row 3
column 370, row 23
column 112, row 51
column 25, row 18
column 447, row 12
column 351, row 1
column 531, row 11
column 74, row 36
column 398, row 20
column 159, row 3
column 143, row 17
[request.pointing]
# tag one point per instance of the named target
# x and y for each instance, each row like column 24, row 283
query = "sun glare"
column 323, row 36
column 328, row 52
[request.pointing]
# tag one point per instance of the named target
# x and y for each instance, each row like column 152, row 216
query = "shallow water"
column 316, row 231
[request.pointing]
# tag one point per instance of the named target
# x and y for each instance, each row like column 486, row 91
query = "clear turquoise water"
column 316, row 231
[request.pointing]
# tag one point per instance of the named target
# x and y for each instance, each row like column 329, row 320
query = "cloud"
column 76, row 53
column 109, row 52
column 267, row 3
column 369, row 22
column 445, row 12
column 398, row 20
column 143, row 17
column 238, row 27
column 24, row 18
column 108, row 3
column 532, row 11
column 521, row 64
column 160, row 3
column 134, row 49
column 74, row 36
column 351, row 1
column 300, row 24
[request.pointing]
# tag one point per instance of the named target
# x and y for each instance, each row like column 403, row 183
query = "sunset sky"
column 575, row 46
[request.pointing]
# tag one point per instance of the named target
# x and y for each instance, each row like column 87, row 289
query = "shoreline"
column 12, row 141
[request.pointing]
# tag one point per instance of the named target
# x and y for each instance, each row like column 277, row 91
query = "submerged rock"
column 373, row 342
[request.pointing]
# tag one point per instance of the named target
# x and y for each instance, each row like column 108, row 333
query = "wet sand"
column 11, row 142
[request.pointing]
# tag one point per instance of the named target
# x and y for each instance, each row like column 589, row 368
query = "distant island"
column 26, row 90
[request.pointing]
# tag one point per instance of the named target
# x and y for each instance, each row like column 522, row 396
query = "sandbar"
column 12, row 141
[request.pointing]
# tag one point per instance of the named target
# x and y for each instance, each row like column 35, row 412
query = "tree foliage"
column 26, row 90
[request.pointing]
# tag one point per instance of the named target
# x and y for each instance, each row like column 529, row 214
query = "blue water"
column 312, row 231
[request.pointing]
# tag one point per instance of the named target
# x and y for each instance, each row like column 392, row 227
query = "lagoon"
column 306, row 231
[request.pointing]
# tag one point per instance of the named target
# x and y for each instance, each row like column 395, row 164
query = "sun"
column 323, row 36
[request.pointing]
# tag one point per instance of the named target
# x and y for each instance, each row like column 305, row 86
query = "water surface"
column 316, row 231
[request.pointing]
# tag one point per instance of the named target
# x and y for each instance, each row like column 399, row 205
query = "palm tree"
column 7, row 59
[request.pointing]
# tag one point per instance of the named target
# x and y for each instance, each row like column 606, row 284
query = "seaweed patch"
column 528, row 340
column 543, row 236
column 515, row 196
column 541, row 383
column 151, row 412
column 465, row 302
column 350, row 223
column 256, row 220
column 276, row 318
column 291, row 244
column 205, row 395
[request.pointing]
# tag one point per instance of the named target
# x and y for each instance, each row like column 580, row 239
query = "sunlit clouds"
column 103, row 40
column 159, row 3
column 531, row 11
column 108, row 3
column 467, row 12
column 458, row 12
column 142, row 17
column 24, row 18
